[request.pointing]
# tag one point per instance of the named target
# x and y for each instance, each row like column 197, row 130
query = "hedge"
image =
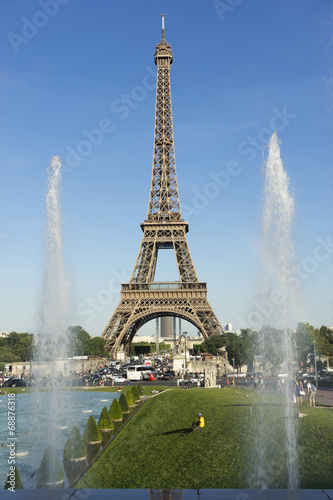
column 123, row 403
column 75, row 455
column 50, row 470
column 130, row 398
column 75, row 446
column 91, row 432
column 136, row 393
column 115, row 411
column 105, row 421
column 93, row 439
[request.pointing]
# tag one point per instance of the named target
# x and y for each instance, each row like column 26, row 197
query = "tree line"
column 20, row 346
column 242, row 349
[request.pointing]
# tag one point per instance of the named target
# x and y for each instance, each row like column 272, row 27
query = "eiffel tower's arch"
column 142, row 298
column 142, row 302
column 146, row 317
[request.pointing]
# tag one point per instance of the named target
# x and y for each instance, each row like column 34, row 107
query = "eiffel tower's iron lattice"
column 143, row 299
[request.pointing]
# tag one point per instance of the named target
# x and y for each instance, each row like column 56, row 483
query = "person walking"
column 311, row 393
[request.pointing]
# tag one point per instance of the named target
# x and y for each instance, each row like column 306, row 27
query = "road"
column 324, row 396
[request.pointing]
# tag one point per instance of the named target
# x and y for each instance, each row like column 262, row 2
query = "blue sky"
column 77, row 80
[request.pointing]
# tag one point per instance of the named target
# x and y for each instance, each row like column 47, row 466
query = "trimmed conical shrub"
column 75, row 455
column 123, row 403
column 75, row 446
column 106, row 426
column 130, row 398
column 139, row 388
column 136, row 394
column 91, row 432
column 93, row 439
column 13, row 482
column 50, row 473
column 115, row 411
column 105, row 421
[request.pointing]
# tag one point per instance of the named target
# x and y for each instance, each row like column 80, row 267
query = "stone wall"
column 63, row 365
column 219, row 364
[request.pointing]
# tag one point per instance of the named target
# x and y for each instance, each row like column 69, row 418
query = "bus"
column 135, row 372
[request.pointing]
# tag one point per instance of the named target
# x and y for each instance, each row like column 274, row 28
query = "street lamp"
column 315, row 361
column 233, row 364
column 183, row 336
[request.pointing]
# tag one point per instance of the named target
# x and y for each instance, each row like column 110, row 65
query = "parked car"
column 119, row 380
column 194, row 380
column 15, row 382
column 308, row 376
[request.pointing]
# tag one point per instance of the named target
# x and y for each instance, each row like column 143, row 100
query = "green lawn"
column 150, row 452
column 147, row 390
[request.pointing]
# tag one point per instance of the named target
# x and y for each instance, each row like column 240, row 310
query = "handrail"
column 167, row 285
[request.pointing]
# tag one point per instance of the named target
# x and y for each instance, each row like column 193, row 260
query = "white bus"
column 135, row 372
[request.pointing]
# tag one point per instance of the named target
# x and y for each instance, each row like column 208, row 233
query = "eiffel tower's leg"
column 211, row 325
column 145, row 266
column 163, row 236
column 183, row 257
column 117, row 327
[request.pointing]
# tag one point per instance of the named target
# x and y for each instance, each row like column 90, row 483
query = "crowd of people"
column 299, row 387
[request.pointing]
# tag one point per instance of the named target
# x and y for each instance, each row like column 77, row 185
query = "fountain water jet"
column 52, row 341
column 275, row 291
column 54, row 304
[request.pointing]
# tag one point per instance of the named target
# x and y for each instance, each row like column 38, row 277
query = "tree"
column 16, row 347
column 142, row 348
column 324, row 341
column 233, row 349
column 304, row 337
column 23, row 348
column 6, row 355
column 213, row 344
column 78, row 341
column 270, row 346
column 97, row 346
column 248, row 346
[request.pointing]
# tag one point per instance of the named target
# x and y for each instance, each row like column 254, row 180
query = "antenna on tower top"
column 163, row 16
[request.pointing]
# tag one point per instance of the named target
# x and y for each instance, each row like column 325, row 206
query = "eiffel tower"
column 143, row 299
